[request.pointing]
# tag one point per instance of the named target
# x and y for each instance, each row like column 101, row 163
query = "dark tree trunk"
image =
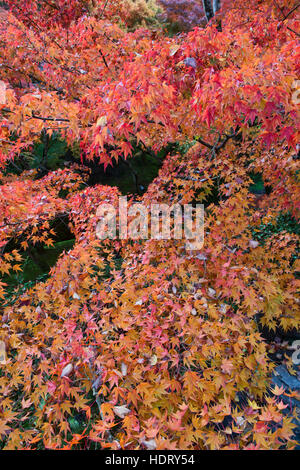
column 208, row 10
column 216, row 6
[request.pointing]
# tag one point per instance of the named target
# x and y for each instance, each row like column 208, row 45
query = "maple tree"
column 143, row 344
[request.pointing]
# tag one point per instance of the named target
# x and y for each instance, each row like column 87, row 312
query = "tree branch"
column 291, row 11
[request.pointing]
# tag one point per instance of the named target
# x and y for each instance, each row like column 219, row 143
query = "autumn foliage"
column 143, row 344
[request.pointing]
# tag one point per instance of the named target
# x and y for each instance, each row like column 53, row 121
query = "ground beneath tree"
column 291, row 383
